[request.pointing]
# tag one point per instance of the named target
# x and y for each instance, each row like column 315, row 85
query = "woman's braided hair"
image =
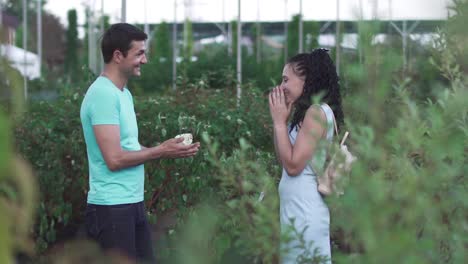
column 320, row 79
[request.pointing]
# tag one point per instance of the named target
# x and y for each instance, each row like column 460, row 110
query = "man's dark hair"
column 119, row 37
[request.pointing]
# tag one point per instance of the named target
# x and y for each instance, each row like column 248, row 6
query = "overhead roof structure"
column 207, row 29
column 154, row 12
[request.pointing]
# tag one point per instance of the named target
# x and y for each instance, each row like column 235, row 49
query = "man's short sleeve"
column 104, row 109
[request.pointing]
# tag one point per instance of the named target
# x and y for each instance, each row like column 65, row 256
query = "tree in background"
column 293, row 36
column 234, row 38
column 161, row 45
column 311, row 35
column 311, row 30
column 456, row 25
column 53, row 43
column 187, row 53
column 188, row 40
column 157, row 73
column 71, row 54
column 256, row 33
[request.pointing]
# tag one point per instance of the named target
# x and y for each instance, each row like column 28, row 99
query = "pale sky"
column 154, row 11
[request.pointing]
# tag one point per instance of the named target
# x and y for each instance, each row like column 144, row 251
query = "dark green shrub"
column 50, row 137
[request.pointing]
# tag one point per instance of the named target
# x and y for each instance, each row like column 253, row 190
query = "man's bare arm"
column 108, row 139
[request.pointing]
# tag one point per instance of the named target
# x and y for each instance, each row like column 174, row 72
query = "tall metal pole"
column 230, row 39
column 229, row 35
column 123, row 15
column 39, row 35
column 405, row 43
column 375, row 8
column 258, row 37
column 223, row 15
column 285, row 31
column 146, row 27
column 147, row 30
column 25, row 42
column 91, row 41
column 360, row 41
column 101, row 61
column 1, row 18
column 361, row 11
column 337, row 38
column 187, row 18
column 90, row 48
column 301, row 28
column 390, row 11
column 404, row 32
column 239, row 55
column 174, row 48
column 93, row 44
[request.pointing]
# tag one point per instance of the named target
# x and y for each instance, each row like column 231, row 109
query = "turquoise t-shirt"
column 105, row 104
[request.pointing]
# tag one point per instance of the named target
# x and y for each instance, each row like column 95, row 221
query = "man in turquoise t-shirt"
column 115, row 213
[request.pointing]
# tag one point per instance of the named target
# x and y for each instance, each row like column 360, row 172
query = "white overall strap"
column 329, row 112
column 326, row 106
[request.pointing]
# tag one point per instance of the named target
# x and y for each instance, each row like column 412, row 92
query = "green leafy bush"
column 50, row 137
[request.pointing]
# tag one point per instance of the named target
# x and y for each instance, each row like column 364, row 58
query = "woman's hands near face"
column 279, row 108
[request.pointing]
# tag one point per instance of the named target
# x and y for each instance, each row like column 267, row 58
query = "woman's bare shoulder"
column 315, row 114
